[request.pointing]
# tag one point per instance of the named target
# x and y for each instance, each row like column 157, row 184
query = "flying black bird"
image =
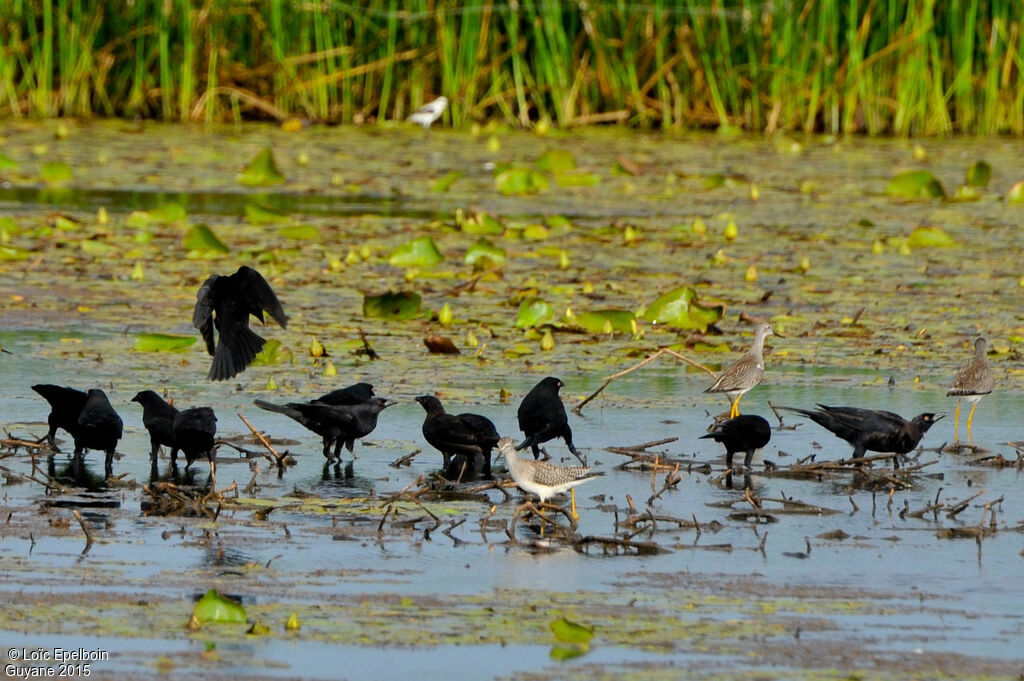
column 870, row 429
column 194, row 432
column 542, row 417
column 158, row 417
column 353, row 394
column 99, row 427
column 226, row 302
column 338, row 425
column 746, row 433
column 66, row 405
column 465, row 435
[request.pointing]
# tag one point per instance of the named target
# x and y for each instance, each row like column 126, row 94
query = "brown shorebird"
column 972, row 382
column 543, row 478
column 745, row 373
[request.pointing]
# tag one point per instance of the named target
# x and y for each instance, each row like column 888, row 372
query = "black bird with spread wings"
column 871, row 429
column 225, row 302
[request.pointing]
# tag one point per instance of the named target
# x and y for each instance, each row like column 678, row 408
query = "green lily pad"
column 168, row 213
column 1016, row 193
column 255, row 214
column 924, row 237
column 262, row 171
column 162, row 342
column 533, row 312
column 556, row 161
column 482, row 254
column 55, row 172
column 979, row 174
column 714, row 181
column 137, row 219
column 305, row 232
column 7, row 163
column 605, row 321
column 96, row 248
column 213, row 607
column 274, row 352
column 679, row 309
column 567, row 631
column 572, row 179
column 443, row 184
column 482, row 223
column 392, row 305
column 915, row 184
column 521, row 181
column 201, row 239
column 563, row 653
column 13, row 253
column 420, row 252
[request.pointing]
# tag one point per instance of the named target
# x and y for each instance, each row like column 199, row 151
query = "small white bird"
column 430, row 112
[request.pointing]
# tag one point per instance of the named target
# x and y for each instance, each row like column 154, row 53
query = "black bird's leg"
column 327, row 448
column 747, row 459
column 567, row 436
column 154, row 448
column 486, row 471
column 728, row 459
column 108, row 463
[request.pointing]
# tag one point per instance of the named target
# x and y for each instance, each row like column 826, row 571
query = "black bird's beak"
column 390, row 403
column 940, row 415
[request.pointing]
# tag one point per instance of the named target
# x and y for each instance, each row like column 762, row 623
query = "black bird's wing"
column 258, row 296
column 202, row 316
column 353, row 394
column 63, row 400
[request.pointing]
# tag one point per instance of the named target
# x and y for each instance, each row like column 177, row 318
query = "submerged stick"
column 85, row 528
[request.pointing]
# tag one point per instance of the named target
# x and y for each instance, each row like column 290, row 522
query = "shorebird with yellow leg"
column 972, row 382
column 543, row 478
column 744, row 373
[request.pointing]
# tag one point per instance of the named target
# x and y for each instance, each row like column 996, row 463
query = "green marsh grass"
column 904, row 67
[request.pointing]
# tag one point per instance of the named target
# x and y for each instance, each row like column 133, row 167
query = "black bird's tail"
column 278, row 408
column 806, row 412
column 236, row 350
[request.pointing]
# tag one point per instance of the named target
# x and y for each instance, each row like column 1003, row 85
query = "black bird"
column 194, row 433
column 226, row 302
column 542, row 417
column 66, row 405
column 746, row 433
column 870, row 429
column 99, row 427
column 338, row 425
column 464, row 436
column 353, row 394
column 158, row 417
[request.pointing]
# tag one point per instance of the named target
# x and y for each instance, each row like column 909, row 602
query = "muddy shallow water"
column 871, row 322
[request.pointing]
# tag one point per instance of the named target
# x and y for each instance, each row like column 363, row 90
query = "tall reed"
column 905, row 67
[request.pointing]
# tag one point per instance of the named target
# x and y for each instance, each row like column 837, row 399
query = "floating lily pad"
column 714, row 181
column 679, row 309
column 262, row 171
column 7, row 163
column 482, row 223
column 563, row 653
column 213, row 607
column 256, row 214
column 392, row 305
column 168, row 213
column 567, row 631
column 979, row 174
column 521, row 181
column 443, row 184
column 420, row 252
column 924, row 237
column 1016, row 193
column 274, row 352
column 556, row 161
column 605, row 321
column 201, row 239
column 533, row 312
column 55, row 172
column 482, row 254
column 305, row 232
column 571, row 179
column 162, row 342
column 96, row 248
column 915, row 184
column 13, row 253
